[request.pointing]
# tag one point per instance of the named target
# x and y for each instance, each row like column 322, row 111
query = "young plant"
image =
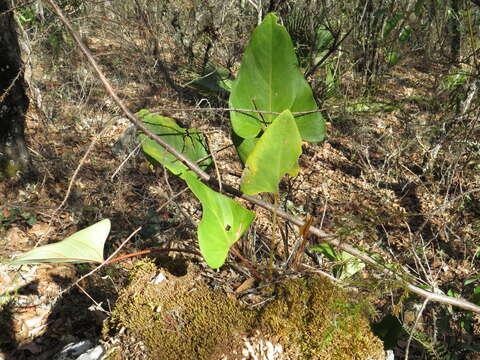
column 268, row 139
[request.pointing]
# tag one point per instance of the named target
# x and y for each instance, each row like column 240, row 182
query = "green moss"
column 8, row 168
column 181, row 318
column 320, row 321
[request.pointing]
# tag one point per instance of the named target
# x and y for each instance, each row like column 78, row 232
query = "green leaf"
column 269, row 79
column 190, row 143
column 223, row 221
column 275, row 154
column 349, row 267
column 216, row 81
column 324, row 38
column 244, row 146
column 454, row 80
column 390, row 24
column 327, row 250
column 84, row 246
column 331, row 81
column 392, row 58
column 324, row 41
column 471, row 281
column 405, row 33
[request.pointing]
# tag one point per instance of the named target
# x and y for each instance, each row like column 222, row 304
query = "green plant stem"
column 274, row 233
column 331, row 239
column 250, row 266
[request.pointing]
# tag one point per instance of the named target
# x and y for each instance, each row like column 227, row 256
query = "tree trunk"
column 454, row 29
column 14, row 155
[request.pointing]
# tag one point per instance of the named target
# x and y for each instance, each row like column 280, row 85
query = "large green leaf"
column 84, row 246
column 189, row 142
column 275, row 154
column 269, row 79
column 223, row 221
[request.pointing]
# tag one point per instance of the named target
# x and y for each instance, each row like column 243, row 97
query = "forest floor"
column 365, row 181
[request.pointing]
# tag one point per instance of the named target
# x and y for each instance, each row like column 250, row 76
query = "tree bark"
column 14, row 155
column 454, row 29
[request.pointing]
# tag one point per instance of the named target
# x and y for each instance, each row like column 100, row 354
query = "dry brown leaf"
column 39, row 229
column 247, row 284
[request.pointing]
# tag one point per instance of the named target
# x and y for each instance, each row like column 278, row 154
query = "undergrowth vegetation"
column 391, row 165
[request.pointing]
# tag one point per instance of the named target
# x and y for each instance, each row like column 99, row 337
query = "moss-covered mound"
column 320, row 321
column 181, row 318
column 178, row 318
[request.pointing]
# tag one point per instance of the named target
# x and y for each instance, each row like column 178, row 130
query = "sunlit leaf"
column 349, row 266
column 223, row 221
column 190, row 143
column 275, row 154
column 405, row 33
column 269, row 79
column 84, row 246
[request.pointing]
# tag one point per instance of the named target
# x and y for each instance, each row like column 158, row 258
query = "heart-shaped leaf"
column 189, row 142
column 275, row 154
column 223, row 221
column 84, row 246
column 269, row 79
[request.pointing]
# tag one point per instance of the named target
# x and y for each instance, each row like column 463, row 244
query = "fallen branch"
column 331, row 239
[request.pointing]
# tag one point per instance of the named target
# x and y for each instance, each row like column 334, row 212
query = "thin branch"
column 72, row 180
column 294, row 113
column 125, row 161
column 331, row 239
column 417, row 319
column 12, row 83
column 107, row 261
column 330, row 51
